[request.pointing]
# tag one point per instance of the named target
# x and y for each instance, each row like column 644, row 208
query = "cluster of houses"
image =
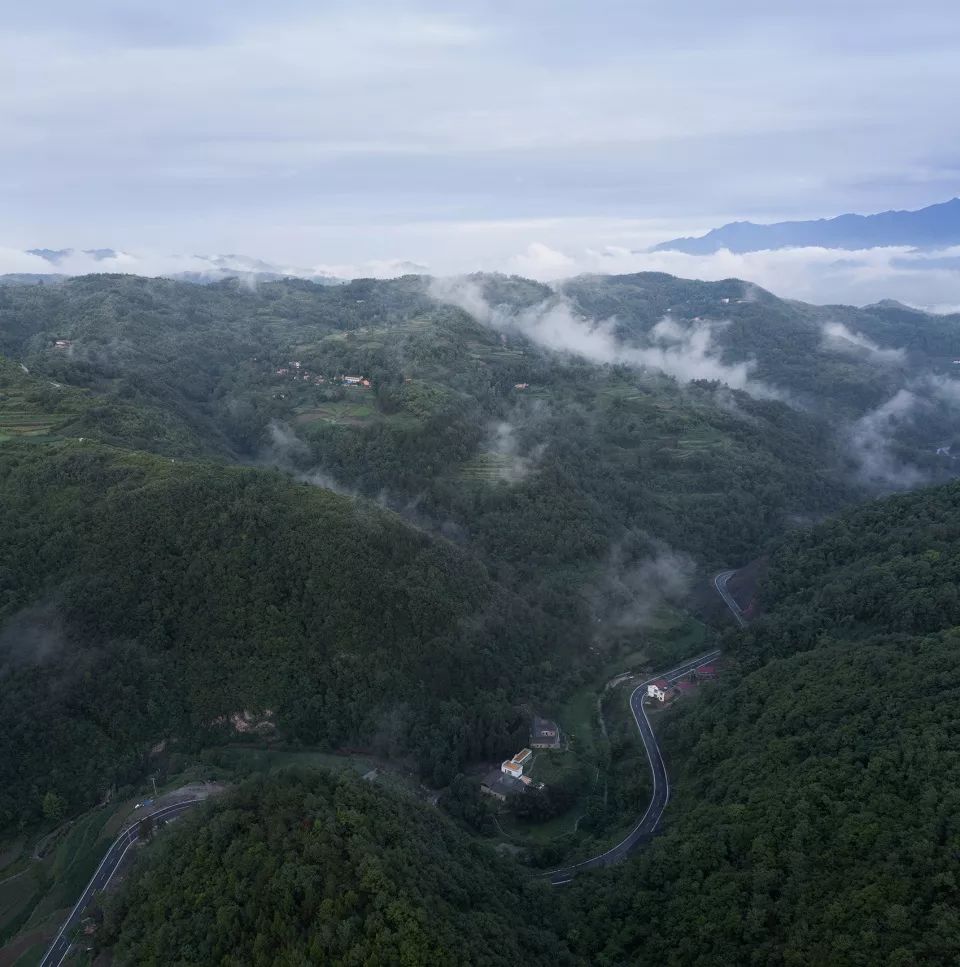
column 661, row 689
column 509, row 779
column 294, row 370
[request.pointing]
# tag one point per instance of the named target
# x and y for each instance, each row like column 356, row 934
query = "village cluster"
column 509, row 779
column 294, row 370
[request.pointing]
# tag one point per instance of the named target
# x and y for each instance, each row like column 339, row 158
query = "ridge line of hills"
column 936, row 226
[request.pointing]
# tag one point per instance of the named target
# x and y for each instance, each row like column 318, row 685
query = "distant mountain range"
column 49, row 266
column 936, row 226
column 66, row 262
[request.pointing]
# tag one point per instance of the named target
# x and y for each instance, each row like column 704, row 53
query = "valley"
column 383, row 525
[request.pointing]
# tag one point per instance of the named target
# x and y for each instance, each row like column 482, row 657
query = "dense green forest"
column 545, row 473
column 199, row 516
column 164, row 593
column 147, row 597
column 815, row 814
column 541, row 478
column 310, row 869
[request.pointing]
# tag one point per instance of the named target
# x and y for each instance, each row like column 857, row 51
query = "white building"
column 658, row 690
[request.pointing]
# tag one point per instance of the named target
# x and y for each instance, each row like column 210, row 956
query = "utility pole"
column 154, row 781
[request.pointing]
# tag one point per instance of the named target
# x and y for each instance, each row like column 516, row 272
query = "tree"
column 54, row 807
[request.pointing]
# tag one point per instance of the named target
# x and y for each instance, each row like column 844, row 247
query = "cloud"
column 34, row 635
column 513, row 465
column 821, row 275
column 839, row 338
column 79, row 262
column 889, row 445
column 633, row 587
column 333, row 126
column 284, row 448
column 372, row 269
column 871, row 444
column 684, row 351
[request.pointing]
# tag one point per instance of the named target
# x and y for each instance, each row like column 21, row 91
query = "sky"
column 546, row 137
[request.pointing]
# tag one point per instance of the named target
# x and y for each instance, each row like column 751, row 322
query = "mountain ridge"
column 933, row 226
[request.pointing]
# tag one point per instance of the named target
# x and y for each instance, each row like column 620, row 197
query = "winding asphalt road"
column 720, row 583
column 62, row 943
column 661, row 784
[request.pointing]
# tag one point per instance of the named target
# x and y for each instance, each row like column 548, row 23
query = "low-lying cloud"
column 685, row 351
column 33, row 636
column 634, row 588
column 72, row 262
column 840, row 338
column 891, row 445
column 925, row 278
column 871, row 441
column 513, row 464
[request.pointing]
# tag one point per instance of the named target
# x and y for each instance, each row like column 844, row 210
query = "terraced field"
column 25, row 423
column 488, row 468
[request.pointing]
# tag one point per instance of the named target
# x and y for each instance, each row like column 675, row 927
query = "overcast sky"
column 463, row 135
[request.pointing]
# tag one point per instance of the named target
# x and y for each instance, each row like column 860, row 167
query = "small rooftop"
column 544, row 729
column 504, row 785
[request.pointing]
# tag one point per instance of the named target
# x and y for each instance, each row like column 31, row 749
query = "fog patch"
column 917, row 277
column 871, row 443
column 33, row 636
column 841, row 339
column 283, row 448
column 685, row 351
column 637, row 583
column 892, row 445
column 512, row 464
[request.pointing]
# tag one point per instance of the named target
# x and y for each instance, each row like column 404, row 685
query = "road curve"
column 661, row 784
column 720, row 583
column 58, row 950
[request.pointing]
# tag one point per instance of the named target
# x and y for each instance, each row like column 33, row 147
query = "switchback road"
column 661, row 784
column 58, row 950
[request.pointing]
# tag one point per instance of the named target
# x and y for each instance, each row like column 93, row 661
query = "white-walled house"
column 658, row 689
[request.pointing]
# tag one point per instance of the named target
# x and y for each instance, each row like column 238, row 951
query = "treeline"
column 307, row 868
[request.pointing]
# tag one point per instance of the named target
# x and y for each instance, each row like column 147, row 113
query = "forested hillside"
column 311, row 869
column 510, row 511
column 581, row 485
column 542, row 460
column 147, row 598
column 814, row 818
column 813, row 815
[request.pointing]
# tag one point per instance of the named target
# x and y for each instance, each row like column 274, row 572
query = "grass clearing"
column 249, row 759
column 18, row 896
column 343, row 412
